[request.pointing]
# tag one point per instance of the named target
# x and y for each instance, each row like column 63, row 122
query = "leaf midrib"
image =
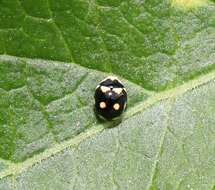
column 17, row 168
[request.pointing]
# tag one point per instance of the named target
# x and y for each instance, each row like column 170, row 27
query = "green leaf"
column 165, row 142
column 49, row 102
column 52, row 57
column 155, row 43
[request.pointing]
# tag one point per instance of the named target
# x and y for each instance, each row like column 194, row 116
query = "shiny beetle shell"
column 110, row 98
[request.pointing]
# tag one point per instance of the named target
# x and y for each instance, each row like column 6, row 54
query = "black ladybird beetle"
column 110, row 98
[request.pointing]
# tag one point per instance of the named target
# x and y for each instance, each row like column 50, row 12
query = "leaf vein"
column 60, row 33
column 156, row 161
column 173, row 93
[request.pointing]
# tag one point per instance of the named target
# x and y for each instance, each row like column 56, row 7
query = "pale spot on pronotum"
column 116, row 106
column 112, row 78
column 102, row 105
column 104, row 89
column 117, row 90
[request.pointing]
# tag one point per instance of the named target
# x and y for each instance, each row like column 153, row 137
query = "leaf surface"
column 52, row 57
column 156, row 44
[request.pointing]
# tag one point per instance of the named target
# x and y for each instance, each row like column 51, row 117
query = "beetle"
column 110, row 98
